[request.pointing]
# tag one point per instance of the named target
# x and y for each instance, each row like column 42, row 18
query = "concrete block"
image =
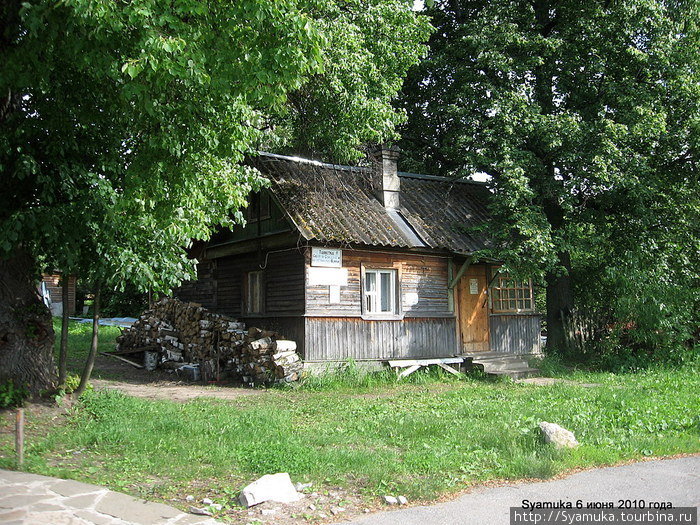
column 271, row 487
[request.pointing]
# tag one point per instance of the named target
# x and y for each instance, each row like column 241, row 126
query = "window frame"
column 373, row 309
column 252, row 307
column 518, row 291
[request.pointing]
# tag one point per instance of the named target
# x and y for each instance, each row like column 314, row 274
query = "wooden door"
column 472, row 309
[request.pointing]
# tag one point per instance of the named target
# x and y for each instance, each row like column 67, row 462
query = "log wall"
column 220, row 284
column 324, row 331
column 56, row 292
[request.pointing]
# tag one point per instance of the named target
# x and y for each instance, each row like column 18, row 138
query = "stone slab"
column 53, row 518
column 84, row 501
column 29, row 499
column 16, row 514
column 14, row 490
column 137, row 511
column 68, row 487
column 24, row 500
column 46, row 507
column 95, row 518
column 12, row 476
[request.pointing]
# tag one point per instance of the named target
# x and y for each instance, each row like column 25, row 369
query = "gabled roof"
column 336, row 204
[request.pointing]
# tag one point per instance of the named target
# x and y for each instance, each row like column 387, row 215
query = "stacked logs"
column 185, row 333
column 266, row 358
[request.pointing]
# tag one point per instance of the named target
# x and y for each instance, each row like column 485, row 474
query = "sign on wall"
column 474, row 286
column 327, row 257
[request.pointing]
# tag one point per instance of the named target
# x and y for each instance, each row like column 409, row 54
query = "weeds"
column 351, row 375
column 421, row 438
column 12, row 395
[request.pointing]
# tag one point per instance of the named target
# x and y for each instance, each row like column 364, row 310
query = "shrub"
column 11, row 395
column 127, row 302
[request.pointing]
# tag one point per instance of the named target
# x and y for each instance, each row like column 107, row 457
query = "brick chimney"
column 385, row 179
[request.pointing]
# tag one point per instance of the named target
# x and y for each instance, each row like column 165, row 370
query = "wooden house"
column 369, row 264
column 50, row 289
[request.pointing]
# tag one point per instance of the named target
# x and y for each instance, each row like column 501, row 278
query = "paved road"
column 671, row 480
column 29, row 499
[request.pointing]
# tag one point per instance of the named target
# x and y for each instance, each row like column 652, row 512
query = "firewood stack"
column 266, row 358
column 185, row 333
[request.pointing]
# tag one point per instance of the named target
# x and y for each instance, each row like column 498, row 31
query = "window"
column 258, row 207
column 510, row 295
column 254, row 293
column 379, row 292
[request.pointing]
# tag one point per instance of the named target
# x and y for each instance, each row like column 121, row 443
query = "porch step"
column 499, row 364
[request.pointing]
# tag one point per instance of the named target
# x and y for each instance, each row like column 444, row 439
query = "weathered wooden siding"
column 203, row 289
column 515, row 333
column 423, row 285
column 329, row 338
column 220, row 283
column 257, row 225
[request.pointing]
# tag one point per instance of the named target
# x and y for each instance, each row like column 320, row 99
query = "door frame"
column 461, row 290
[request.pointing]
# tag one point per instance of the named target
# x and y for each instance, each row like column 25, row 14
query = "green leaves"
column 586, row 118
column 132, row 69
column 368, row 48
column 130, row 120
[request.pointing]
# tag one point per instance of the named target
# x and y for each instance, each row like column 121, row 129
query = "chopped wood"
column 188, row 333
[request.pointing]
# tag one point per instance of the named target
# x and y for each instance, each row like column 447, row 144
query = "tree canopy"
column 586, row 116
column 123, row 125
column 128, row 121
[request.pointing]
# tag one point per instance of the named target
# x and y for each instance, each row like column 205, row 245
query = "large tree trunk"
column 560, row 306
column 87, row 371
column 26, row 328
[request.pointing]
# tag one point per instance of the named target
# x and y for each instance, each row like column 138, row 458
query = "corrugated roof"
column 335, row 204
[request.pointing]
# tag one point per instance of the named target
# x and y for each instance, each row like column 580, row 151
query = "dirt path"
column 111, row 374
column 173, row 390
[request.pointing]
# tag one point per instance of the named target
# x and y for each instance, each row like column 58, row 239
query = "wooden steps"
column 499, row 364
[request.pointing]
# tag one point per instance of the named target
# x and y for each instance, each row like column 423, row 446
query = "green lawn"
column 423, row 439
column 79, row 338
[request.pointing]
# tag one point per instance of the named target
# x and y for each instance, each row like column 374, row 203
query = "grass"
column 79, row 338
column 422, row 438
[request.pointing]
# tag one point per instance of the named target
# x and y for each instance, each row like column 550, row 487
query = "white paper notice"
column 474, row 286
column 327, row 276
column 328, row 257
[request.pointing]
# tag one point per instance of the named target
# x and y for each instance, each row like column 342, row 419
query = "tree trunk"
column 26, row 328
column 560, row 306
column 63, row 353
column 87, row 371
